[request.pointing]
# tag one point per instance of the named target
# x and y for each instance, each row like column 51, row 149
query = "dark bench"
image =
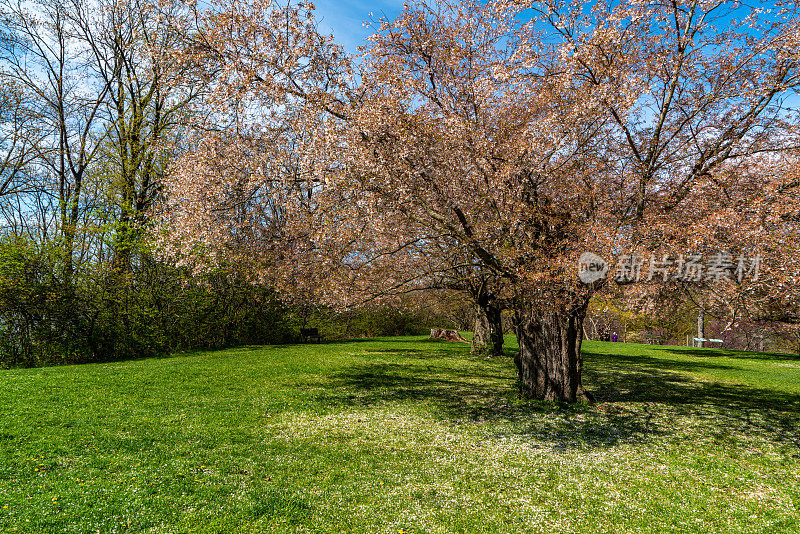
column 307, row 334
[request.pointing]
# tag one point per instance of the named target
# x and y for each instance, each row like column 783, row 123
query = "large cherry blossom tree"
column 520, row 134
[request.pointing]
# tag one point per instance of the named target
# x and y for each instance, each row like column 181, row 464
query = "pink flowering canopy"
column 502, row 136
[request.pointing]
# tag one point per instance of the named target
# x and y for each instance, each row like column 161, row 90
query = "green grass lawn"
column 401, row 435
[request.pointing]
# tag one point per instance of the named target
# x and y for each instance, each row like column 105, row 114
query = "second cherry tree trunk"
column 487, row 332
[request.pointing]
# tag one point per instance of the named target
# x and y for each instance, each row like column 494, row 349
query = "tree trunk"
column 593, row 329
column 481, row 331
column 701, row 324
column 487, row 330
column 496, row 336
column 549, row 360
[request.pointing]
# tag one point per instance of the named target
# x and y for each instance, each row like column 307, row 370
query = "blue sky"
column 344, row 18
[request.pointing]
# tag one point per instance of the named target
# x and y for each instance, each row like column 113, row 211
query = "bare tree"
column 45, row 56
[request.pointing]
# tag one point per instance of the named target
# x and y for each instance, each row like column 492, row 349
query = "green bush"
column 106, row 314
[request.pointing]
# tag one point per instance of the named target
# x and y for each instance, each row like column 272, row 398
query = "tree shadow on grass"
column 636, row 399
column 727, row 408
column 487, row 399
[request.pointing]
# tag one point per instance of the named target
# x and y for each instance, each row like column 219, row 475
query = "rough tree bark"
column 496, row 337
column 481, row 330
column 487, row 331
column 549, row 360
